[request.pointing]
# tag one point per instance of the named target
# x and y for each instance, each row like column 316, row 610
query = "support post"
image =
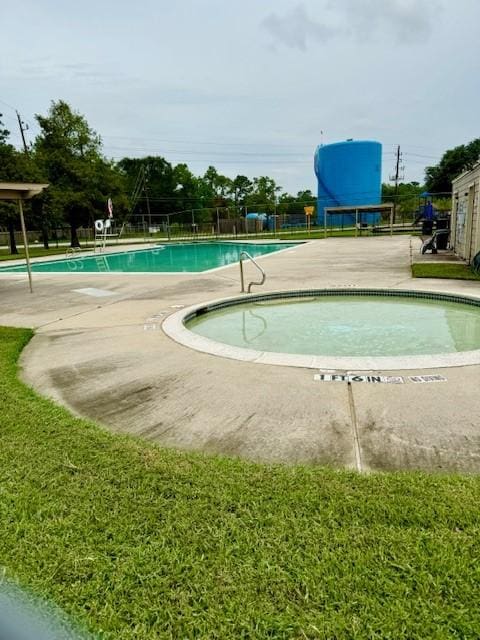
column 242, row 281
column 356, row 222
column 25, row 244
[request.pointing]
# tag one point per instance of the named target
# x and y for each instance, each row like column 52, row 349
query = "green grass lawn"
column 135, row 541
column 37, row 252
column 34, row 252
column 443, row 270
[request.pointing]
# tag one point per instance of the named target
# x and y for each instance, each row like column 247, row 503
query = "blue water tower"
column 349, row 173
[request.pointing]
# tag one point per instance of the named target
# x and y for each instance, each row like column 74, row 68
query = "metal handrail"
column 242, row 281
column 70, row 252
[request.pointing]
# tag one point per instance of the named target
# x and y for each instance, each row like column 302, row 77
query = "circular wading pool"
column 361, row 329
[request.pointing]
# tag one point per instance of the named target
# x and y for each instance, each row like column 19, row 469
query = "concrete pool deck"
column 107, row 358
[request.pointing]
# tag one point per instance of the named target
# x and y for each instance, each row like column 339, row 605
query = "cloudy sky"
column 249, row 86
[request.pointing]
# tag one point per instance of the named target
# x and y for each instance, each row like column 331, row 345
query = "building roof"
column 465, row 173
column 20, row 190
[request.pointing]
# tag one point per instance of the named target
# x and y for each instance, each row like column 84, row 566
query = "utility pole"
column 149, row 213
column 145, row 190
column 23, row 128
column 395, row 178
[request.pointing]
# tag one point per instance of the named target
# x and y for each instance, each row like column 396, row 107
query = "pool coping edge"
column 174, row 327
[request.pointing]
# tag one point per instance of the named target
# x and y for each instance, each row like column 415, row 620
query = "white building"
column 465, row 223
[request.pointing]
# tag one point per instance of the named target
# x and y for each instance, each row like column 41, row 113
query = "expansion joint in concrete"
column 356, row 440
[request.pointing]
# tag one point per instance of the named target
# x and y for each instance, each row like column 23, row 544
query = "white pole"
column 25, row 244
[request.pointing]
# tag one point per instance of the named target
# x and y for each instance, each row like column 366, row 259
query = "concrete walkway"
column 107, row 358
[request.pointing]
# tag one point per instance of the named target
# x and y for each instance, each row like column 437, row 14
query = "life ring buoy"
column 99, row 225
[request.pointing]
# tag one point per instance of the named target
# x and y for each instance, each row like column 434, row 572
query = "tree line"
column 67, row 153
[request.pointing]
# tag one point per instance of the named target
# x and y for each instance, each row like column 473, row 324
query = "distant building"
column 465, row 222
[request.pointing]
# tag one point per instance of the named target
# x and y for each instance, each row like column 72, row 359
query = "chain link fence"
column 57, row 237
column 283, row 220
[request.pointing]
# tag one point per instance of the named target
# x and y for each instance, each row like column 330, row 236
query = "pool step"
column 101, row 262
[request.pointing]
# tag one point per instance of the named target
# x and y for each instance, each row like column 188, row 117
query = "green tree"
column 15, row 166
column 152, row 183
column 264, row 192
column 453, row 162
column 407, row 197
column 187, row 192
column 294, row 205
column 68, row 153
column 241, row 188
column 216, row 188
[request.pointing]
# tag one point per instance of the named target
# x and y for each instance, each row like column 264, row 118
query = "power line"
column 6, row 116
column 299, row 146
column 209, row 152
column 238, row 161
column 418, row 155
column 8, row 105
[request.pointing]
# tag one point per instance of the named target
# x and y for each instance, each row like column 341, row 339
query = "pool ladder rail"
column 243, row 255
column 72, row 251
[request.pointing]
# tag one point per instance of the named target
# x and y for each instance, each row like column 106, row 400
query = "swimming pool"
column 171, row 258
column 347, row 329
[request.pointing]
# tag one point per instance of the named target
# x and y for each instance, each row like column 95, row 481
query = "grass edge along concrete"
column 445, row 270
column 133, row 540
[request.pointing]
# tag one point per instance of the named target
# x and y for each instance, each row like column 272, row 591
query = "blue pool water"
column 163, row 258
column 345, row 326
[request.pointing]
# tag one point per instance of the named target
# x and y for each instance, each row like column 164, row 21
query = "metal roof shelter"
column 386, row 206
column 21, row 191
